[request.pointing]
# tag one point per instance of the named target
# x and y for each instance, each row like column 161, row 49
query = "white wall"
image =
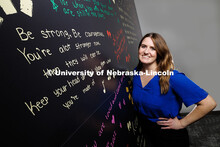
column 191, row 29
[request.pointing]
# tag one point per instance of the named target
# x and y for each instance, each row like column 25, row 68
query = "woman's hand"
column 202, row 108
column 170, row 123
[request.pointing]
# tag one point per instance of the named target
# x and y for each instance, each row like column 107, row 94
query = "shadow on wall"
column 205, row 132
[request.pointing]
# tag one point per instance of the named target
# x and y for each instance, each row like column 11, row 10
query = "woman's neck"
column 151, row 67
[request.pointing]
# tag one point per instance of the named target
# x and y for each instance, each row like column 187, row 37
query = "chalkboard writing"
column 54, row 58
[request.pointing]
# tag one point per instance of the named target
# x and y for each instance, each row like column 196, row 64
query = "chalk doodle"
column 119, row 42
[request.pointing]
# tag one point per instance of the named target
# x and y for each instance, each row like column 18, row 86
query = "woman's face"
column 147, row 52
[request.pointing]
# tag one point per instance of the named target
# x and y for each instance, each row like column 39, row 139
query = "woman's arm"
column 203, row 107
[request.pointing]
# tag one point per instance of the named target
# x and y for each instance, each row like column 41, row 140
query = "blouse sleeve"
column 187, row 90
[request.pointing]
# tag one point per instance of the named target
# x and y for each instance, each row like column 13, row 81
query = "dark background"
column 55, row 125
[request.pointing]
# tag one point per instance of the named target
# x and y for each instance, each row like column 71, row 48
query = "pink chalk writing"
column 124, row 102
column 113, row 140
column 119, row 105
column 95, row 144
column 113, row 101
column 101, row 129
column 120, row 125
column 113, row 119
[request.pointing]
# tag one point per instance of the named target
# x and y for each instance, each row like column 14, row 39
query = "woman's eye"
column 152, row 48
column 143, row 46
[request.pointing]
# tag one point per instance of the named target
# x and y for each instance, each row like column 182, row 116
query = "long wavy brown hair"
column 164, row 59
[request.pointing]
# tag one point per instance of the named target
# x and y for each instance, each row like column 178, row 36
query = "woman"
column 158, row 98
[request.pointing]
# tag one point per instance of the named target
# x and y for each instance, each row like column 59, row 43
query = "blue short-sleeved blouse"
column 150, row 102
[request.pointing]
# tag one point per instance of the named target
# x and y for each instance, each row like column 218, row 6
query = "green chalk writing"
column 87, row 8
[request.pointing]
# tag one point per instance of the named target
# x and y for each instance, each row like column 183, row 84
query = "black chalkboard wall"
column 39, row 37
